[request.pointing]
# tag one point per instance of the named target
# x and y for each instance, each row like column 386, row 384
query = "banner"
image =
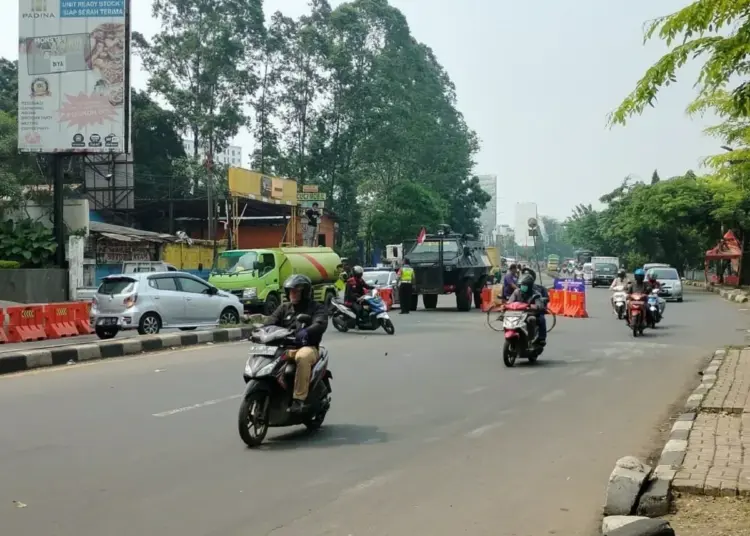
column 570, row 285
column 72, row 74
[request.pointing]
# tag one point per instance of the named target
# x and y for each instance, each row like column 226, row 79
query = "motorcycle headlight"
column 266, row 369
column 248, row 367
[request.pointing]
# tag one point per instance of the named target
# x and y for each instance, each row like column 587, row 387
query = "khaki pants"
column 306, row 357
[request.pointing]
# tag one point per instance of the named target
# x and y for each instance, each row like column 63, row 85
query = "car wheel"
column 272, row 303
column 105, row 333
column 150, row 324
column 679, row 300
column 229, row 316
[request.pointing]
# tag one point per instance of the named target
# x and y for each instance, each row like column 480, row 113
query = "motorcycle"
column 374, row 315
column 654, row 309
column 637, row 314
column 269, row 378
column 520, row 327
column 619, row 299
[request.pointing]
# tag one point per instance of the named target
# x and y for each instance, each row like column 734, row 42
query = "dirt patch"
column 710, row 516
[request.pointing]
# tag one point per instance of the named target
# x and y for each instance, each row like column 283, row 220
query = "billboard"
column 524, row 211
column 254, row 185
column 73, row 80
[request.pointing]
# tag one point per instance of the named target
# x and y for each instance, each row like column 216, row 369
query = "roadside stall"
column 726, row 257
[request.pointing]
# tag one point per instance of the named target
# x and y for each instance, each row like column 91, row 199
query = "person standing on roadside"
column 405, row 286
column 510, row 281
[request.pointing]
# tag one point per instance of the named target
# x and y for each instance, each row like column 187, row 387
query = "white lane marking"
column 475, row 390
column 595, row 372
column 197, row 406
column 552, row 395
column 478, row 432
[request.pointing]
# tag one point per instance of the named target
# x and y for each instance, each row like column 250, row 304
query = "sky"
column 536, row 81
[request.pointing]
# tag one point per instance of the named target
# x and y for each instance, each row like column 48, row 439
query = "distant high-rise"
column 488, row 217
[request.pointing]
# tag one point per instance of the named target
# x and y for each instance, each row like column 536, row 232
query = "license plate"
column 262, row 350
column 107, row 321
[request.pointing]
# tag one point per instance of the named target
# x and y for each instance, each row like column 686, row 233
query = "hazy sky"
column 536, row 81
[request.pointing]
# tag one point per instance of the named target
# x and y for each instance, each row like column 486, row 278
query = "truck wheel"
column 464, row 295
column 414, row 302
column 430, row 301
column 272, row 303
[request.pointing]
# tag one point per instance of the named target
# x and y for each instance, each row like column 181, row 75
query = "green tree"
column 157, row 146
column 655, row 177
column 9, row 86
column 203, row 64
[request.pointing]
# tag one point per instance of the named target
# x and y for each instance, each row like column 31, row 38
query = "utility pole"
column 209, row 189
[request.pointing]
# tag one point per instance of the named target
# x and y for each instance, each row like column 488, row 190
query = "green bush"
column 28, row 242
column 9, row 265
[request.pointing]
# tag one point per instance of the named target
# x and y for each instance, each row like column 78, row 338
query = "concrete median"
column 22, row 360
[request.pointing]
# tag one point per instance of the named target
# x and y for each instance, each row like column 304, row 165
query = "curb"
column 49, row 357
column 730, row 294
column 656, row 501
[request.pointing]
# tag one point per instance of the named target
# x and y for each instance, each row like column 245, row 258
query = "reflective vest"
column 407, row 274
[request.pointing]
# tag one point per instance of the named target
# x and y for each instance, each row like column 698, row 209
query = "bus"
column 553, row 263
column 583, row 256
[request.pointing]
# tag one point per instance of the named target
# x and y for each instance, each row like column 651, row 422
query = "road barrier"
column 573, row 298
column 386, row 294
column 45, row 321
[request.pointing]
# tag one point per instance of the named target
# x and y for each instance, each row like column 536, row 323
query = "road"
column 428, row 433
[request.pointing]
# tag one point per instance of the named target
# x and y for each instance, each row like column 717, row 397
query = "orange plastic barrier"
column 59, row 320
column 556, row 303
column 575, row 304
column 386, row 294
column 26, row 323
column 3, row 336
column 81, row 312
column 486, row 299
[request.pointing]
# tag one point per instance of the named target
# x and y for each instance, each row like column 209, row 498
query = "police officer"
column 405, row 286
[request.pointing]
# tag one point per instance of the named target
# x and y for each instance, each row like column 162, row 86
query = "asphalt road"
column 428, row 433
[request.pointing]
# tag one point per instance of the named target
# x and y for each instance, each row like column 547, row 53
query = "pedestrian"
column 405, row 286
column 510, row 281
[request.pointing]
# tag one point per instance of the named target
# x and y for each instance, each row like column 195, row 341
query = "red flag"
column 422, row 235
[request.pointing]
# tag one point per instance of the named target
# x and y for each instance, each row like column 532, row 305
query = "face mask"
column 524, row 288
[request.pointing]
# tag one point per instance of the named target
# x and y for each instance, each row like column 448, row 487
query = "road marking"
column 552, row 395
column 197, row 406
column 478, row 432
column 475, row 390
column 595, row 372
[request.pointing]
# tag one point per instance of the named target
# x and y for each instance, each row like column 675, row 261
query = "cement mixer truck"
column 256, row 276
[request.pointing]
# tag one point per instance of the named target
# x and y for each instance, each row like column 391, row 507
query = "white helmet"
column 358, row 270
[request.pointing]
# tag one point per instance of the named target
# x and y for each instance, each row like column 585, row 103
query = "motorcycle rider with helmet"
column 527, row 292
column 298, row 290
column 356, row 287
column 621, row 279
column 639, row 285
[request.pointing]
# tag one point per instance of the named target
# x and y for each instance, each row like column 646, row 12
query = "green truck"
column 257, row 276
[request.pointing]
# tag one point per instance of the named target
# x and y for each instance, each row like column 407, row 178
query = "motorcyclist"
column 356, row 287
column 527, row 293
column 620, row 281
column 655, row 285
column 639, row 285
column 298, row 289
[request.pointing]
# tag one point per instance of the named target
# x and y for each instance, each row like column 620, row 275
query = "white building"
column 231, row 156
column 488, row 217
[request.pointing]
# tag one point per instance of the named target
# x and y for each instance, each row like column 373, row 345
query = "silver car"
column 669, row 282
column 150, row 301
column 383, row 278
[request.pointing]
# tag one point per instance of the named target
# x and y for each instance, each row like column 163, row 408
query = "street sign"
column 310, row 188
column 311, row 196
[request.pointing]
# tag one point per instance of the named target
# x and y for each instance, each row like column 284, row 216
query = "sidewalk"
column 717, row 460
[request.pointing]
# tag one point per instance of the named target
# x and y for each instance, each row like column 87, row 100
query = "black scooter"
column 269, row 375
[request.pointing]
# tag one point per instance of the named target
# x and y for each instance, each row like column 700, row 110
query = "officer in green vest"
column 405, row 286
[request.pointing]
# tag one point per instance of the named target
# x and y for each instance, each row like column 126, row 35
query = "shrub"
column 9, row 265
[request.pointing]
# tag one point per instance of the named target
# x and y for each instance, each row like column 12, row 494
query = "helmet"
column 529, row 272
column 301, row 282
column 622, row 273
column 639, row 275
column 527, row 279
column 358, row 271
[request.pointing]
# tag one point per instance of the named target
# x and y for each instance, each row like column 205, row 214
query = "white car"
column 383, row 278
column 150, row 301
column 669, row 282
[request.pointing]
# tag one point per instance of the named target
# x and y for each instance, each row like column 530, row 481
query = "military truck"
column 449, row 263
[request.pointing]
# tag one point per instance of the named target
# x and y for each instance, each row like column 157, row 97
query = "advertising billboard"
column 73, row 83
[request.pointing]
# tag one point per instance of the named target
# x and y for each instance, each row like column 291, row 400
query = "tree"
column 9, row 87
column 655, row 177
column 202, row 64
column 157, row 146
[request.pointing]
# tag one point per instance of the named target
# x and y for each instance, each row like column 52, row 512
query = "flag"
column 422, row 235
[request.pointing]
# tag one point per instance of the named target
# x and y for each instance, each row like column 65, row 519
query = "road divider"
column 45, row 321
column 23, row 360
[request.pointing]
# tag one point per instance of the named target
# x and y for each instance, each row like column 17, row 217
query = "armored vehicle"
column 447, row 263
